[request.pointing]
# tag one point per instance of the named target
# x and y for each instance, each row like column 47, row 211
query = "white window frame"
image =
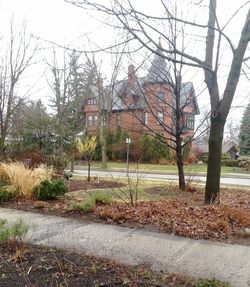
column 95, row 120
column 160, row 118
column 190, row 122
column 118, row 120
column 91, row 101
column 146, row 118
column 89, row 121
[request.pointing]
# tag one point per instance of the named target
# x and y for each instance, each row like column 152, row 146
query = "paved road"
column 198, row 258
column 153, row 176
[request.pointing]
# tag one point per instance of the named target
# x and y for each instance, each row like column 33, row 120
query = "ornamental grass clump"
column 21, row 180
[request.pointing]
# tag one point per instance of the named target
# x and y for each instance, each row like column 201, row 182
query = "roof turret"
column 159, row 70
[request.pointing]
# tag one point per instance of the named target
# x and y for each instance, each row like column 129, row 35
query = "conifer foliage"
column 245, row 132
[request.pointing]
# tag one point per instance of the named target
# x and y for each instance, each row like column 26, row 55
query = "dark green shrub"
column 224, row 158
column 153, row 148
column 49, row 190
column 160, row 149
column 5, row 195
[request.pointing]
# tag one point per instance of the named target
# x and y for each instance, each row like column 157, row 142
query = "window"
column 159, row 118
column 91, row 101
column 95, row 120
column 145, row 118
column 118, row 120
column 89, row 121
column 160, row 96
column 190, row 122
column 102, row 121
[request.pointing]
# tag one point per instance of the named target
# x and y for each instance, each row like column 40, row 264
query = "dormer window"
column 91, row 101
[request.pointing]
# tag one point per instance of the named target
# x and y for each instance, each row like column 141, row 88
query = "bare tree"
column 16, row 60
column 102, row 87
column 60, row 86
column 143, row 27
column 105, row 100
column 73, row 81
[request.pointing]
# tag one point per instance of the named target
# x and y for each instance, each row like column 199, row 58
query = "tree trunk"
column 104, row 157
column 214, row 160
column 72, row 164
column 2, row 149
column 88, row 171
column 104, row 147
column 179, row 156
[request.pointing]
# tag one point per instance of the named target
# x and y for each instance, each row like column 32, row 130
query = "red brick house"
column 144, row 105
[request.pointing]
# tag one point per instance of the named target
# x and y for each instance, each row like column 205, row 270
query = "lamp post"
column 128, row 142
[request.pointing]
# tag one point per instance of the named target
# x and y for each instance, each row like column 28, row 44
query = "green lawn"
column 191, row 168
column 163, row 190
column 132, row 186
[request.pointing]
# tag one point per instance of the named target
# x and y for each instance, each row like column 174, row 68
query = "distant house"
column 231, row 148
column 142, row 105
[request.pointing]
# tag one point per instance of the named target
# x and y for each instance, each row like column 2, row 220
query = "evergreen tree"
column 245, row 132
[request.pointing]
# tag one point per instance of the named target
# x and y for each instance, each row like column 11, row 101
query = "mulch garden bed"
column 34, row 266
column 180, row 213
column 93, row 184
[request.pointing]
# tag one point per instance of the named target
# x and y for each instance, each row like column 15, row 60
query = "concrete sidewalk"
column 198, row 258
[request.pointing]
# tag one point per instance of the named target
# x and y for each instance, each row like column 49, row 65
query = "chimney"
column 131, row 75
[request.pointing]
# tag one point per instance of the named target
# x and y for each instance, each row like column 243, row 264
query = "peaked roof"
column 158, row 74
column 159, row 70
column 186, row 90
column 122, row 88
column 203, row 146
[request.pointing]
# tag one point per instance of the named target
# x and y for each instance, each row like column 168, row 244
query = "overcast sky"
column 65, row 24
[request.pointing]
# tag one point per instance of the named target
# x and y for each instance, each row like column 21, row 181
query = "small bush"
column 49, row 190
column 86, row 206
column 211, row 283
column 15, row 232
column 5, row 195
column 225, row 161
column 89, row 204
column 101, row 197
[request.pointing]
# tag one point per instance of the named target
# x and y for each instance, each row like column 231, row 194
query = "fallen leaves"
column 177, row 217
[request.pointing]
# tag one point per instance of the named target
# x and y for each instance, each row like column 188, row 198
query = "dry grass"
column 21, row 180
